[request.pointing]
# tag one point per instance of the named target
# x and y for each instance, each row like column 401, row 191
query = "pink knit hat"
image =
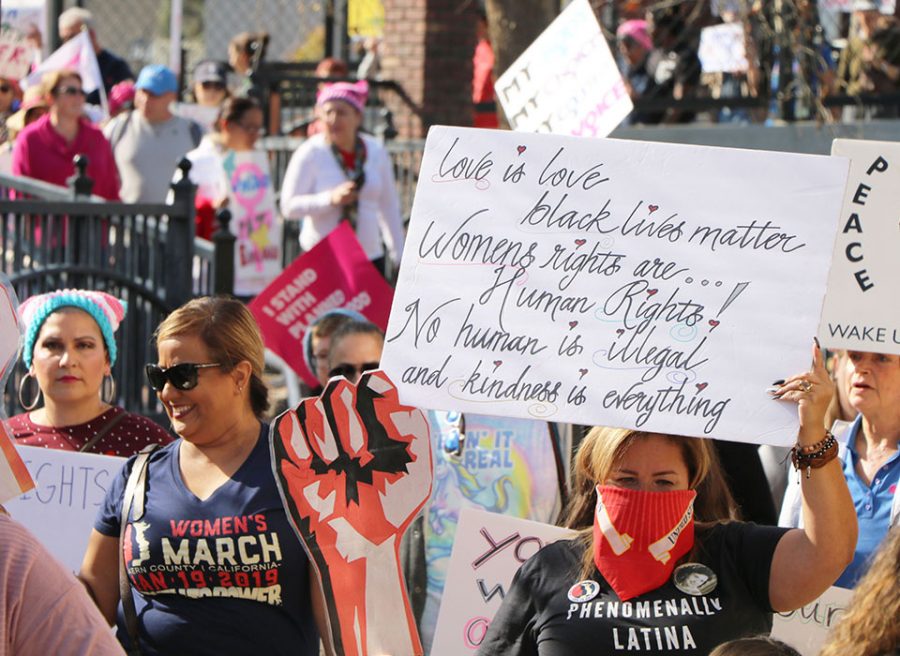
column 637, row 30
column 107, row 311
column 353, row 93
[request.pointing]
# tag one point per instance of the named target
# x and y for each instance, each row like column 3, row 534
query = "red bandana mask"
column 639, row 536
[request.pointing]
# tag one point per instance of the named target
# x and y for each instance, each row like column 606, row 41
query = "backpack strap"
column 117, row 131
column 135, row 493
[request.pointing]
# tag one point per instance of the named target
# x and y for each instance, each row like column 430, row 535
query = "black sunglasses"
column 350, row 371
column 213, row 85
column 182, row 376
column 69, row 91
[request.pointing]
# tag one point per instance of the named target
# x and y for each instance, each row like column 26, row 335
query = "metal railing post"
column 81, row 185
column 180, row 239
column 223, row 260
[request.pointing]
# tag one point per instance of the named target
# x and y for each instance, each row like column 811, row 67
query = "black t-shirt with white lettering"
column 223, row 575
column 537, row 616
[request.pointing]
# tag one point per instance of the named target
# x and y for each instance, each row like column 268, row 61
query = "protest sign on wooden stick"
column 608, row 282
column 354, row 467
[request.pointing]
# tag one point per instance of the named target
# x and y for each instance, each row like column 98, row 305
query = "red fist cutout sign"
column 354, row 467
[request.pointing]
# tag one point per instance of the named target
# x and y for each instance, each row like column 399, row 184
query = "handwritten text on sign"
column 567, row 81
column 488, row 551
column 861, row 310
column 806, row 629
column 609, row 282
column 60, row 511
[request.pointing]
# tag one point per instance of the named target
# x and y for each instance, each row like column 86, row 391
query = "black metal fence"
column 144, row 254
column 288, row 93
column 802, row 59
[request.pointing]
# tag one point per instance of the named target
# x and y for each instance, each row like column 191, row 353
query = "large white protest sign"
column 611, row 282
column 61, row 509
column 722, row 48
column 861, row 311
column 567, row 81
column 488, row 551
column 806, row 628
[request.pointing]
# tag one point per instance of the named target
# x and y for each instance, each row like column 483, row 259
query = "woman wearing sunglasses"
column 213, row 567
column 45, row 149
column 9, row 94
column 355, row 349
column 69, row 351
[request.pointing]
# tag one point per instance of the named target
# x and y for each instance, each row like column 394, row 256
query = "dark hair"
column 234, row 109
column 755, row 646
column 252, row 44
column 354, row 328
column 230, row 333
column 332, row 67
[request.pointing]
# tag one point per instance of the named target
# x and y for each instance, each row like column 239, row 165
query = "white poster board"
column 60, row 511
column 24, row 16
column 567, row 81
column 806, row 628
column 15, row 55
column 254, row 221
column 488, row 551
column 861, row 310
column 722, row 49
column 612, row 282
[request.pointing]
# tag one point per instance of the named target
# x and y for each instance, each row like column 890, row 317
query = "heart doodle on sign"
column 652, row 292
column 497, row 363
column 714, row 323
column 701, row 386
column 583, row 373
column 580, row 242
column 572, row 324
column 652, row 208
column 620, row 332
column 520, row 149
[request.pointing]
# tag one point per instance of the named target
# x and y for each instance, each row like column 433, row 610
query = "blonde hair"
column 869, row 626
column 50, row 81
column 603, row 448
column 231, row 334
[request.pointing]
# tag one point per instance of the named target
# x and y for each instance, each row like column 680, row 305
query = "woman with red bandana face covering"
column 660, row 564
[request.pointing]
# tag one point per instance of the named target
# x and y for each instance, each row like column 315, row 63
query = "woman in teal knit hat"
column 69, row 349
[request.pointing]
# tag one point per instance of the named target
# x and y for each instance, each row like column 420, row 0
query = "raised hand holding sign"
column 354, row 467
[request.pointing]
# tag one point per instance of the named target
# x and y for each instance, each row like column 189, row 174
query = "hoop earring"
column 28, row 407
column 111, row 387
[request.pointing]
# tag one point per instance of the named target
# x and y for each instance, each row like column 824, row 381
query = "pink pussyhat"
column 353, row 93
column 636, row 29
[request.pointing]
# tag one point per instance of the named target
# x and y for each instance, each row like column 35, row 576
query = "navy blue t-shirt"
column 222, row 576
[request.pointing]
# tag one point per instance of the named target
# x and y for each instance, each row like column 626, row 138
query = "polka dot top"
column 126, row 438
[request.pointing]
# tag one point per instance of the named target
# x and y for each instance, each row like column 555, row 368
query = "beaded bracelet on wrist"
column 815, row 455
